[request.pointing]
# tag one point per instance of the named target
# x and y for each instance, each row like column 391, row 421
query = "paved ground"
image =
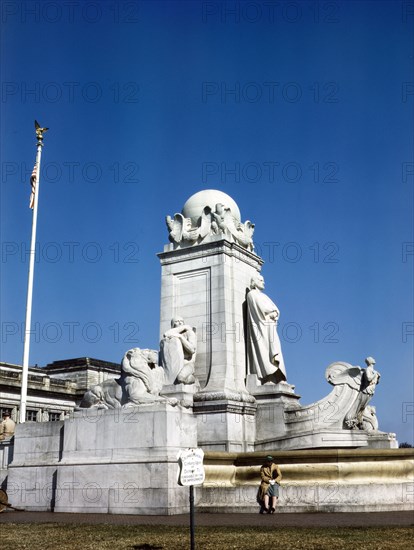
column 280, row 519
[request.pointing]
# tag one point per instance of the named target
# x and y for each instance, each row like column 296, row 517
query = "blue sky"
column 301, row 111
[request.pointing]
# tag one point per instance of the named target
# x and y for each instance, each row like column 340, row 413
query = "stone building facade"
column 54, row 390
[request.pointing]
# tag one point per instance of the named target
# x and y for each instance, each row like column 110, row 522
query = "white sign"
column 191, row 470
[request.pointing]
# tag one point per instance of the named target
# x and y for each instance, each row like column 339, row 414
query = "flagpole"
column 27, row 332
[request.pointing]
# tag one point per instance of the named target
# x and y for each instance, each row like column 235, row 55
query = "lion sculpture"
column 140, row 383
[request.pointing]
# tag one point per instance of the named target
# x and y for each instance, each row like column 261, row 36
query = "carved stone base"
column 225, row 421
column 272, row 401
column 120, row 461
column 283, row 391
column 184, row 393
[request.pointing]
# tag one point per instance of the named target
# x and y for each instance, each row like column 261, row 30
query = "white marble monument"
column 218, row 381
column 206, row 271
column 212, row 277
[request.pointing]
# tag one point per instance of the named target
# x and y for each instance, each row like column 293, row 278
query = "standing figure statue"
column 177, row 353
column 365, row 416
column 355, row 388
column 370, row 378
column 264, row 352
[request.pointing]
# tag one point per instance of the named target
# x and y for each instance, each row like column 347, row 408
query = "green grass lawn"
column 54, row 536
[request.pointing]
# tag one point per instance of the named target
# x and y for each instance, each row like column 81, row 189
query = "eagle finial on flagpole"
column 39, row 132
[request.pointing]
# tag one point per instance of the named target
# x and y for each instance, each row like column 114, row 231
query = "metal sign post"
column 191, row 472
column 192, row 526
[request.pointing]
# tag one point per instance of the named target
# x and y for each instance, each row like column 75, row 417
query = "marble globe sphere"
column 194, row 206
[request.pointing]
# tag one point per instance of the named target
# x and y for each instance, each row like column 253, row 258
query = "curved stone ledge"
column 303, row 455
column 364, row 480
column 364, row 466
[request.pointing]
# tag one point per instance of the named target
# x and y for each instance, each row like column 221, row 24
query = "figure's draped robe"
column 264, row 351
column 171, row 358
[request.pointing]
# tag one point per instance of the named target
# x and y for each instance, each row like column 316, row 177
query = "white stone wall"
column 118, row 461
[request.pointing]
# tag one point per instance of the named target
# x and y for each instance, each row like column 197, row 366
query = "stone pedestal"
column 272, row 401
column 121, row 461
column 184, row 393
column 125, row 460
column 225, row 421
column 206, row 285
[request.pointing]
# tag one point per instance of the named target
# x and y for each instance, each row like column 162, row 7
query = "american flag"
column 33, row 179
